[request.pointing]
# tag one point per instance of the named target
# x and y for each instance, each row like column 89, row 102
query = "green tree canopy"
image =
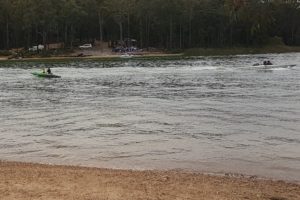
column 168, row 24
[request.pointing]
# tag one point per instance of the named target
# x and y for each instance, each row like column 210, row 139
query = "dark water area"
column 209, row 114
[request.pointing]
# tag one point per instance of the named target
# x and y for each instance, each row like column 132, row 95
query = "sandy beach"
column 35, row 181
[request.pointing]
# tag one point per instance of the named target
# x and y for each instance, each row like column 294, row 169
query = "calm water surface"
column 211, row 114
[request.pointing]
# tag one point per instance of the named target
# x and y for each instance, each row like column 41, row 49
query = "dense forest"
column 168, row 24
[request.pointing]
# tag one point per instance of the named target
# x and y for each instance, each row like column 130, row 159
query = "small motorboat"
column 270, row 67
column 44, row 75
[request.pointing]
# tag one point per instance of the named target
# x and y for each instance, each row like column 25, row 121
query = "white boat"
column 266, row 67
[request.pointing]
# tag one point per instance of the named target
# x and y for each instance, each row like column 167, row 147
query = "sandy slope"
column 33, row 181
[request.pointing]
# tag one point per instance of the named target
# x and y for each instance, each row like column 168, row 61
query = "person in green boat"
column 49, row 70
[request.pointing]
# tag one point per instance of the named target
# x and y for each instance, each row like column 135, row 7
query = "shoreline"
column 188, row 53
column 41, row 181
column 93, row 57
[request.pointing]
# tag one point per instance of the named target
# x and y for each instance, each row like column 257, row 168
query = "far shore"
column 96, row 54
column 95, row 57
column 36, row 181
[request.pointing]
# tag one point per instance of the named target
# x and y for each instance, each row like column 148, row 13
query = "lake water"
column 209, row 114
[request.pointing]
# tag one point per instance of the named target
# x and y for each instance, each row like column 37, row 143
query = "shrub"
column 5, row 53
column 276, row 41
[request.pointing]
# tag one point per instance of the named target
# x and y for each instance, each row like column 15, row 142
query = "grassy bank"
column 240, row 50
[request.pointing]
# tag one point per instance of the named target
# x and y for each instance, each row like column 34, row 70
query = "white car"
column 86, row 46
column 35, row 48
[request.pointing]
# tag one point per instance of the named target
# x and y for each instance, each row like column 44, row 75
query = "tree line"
column 168, row 24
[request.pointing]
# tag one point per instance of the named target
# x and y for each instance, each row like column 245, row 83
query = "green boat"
column 45, row 75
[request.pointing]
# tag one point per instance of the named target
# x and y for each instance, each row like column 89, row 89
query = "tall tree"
column 119, row 13
column 102, row 9
column 188, row 15
column 71, row 14
column 6, row 13
column 156, row 23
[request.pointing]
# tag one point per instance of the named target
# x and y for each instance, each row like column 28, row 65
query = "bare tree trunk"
column 231, row 35
column 128, row 24
column 7, row 34
column 220, row 38
column 147, row 31
column 121, row 31
column 28, row 39
column 36, row 35
column 100, row 20
column 57, row 33
column 190, row 31
column 141, row 34
column 171, row 32
column 292, row 36
column 72, row 38
column 16, row 39
column 180, row 36
column 44, row 38
column 100, row 26
column 66, row 35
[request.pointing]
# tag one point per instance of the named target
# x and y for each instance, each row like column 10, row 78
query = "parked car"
column 38, row 47
column 131, row 49
column 118, row 49
column 124, row 49
column 85, row 46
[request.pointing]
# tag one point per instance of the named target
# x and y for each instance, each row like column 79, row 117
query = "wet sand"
column 35, row 181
